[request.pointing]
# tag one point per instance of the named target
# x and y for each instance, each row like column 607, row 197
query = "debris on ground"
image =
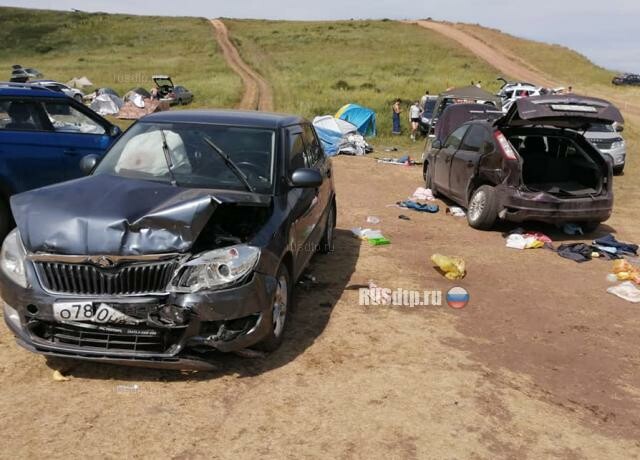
column 519, row 239
column 625, row 271
column 572, row 229
column 627, row 291
column 422, row 193
column 609, row 244
column 581, row 252
column 454, row 268
column 403, row 161
column 410, row 204
column 373, row 220
column 58, row 377
column 374, row 237
column 456, row 211
column 403, row 217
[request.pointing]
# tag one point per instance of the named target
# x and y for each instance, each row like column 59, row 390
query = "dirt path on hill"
column 511, row 65
column 257, row 91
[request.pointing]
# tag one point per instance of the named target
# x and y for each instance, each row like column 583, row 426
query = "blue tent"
column 363, row 118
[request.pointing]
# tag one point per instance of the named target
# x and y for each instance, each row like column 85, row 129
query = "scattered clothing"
column 422, row 193
column 454, row 268
column 627, row 291
column 519, row 239
column 581, row 252
column 621, row 248
column 404, row 160
column 374, row 237
column 455, row 211
column 409, row 204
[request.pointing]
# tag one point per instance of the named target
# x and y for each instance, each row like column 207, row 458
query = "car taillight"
column 505, row 146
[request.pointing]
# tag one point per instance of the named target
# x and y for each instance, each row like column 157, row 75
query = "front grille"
column 138, row 340
column 86, row 279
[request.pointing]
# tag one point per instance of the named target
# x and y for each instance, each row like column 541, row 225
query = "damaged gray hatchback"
column 188, row 237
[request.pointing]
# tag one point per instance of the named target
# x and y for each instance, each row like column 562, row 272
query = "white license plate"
column 88, row 311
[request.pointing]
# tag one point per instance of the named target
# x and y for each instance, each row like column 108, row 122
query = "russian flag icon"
column 457, row 297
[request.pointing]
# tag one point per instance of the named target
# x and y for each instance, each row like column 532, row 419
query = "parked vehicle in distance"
column 61, row 88
column 21, row 74
column 167, row 253
column 609, row 142
column 170, row 93
column 626, row 79
column 531, row 164
column 43, row 136
column 427, row 113
column 514, row 92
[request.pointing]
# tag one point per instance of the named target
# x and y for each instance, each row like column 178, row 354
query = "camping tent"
column 339, row 136
column 79, row 82
column 364, row 119
column 106, row 104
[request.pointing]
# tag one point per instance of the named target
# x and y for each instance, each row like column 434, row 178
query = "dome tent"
column 364, row 119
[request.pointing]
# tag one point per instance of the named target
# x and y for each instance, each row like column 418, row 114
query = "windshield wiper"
column 229, row 162
column 167, row 157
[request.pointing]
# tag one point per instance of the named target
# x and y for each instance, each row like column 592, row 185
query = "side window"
column 455, row 138
column 66, row 118
column 21, row 115
column 474, row 139
column 314, row 150
column 296, row 152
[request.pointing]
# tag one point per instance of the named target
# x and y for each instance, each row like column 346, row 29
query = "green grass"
column 119, row 51
column 316, row 67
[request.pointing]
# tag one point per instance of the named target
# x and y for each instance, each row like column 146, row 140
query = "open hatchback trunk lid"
column 562, row 111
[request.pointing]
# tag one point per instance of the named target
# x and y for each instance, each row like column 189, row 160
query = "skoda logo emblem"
column 103, row 262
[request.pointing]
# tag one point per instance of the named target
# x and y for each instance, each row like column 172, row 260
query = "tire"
column 483, row 208
column 589, row 227
column 326, row 243
column 618, row 170
column 284, row 291
column 428, row 182
column 6, row 221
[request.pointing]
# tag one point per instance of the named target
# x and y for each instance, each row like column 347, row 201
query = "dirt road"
column 541, row 364
column 513, row 66
column 257, row 91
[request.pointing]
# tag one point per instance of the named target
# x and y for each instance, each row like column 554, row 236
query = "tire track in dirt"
column 508, row 63
column 257, row 91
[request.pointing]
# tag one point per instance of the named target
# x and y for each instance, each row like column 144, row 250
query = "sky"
column 602, row 30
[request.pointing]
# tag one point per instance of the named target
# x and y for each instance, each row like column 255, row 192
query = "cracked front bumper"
column 225, row 320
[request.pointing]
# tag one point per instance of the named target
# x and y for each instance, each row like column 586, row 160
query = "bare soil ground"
column 257, row 91
column 542, row 363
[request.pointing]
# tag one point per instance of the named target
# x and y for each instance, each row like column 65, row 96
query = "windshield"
column 140, row 154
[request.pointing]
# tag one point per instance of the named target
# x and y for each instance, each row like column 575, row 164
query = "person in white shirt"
column 414, row 117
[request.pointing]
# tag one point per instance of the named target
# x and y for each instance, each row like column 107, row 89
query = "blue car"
column 43, row 136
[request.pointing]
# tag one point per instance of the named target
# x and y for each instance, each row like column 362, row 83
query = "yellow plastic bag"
column 624, row 271
column 453, row 267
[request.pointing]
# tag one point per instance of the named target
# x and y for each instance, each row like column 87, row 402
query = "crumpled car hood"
column 111, row 215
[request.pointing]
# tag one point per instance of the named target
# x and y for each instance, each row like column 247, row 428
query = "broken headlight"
column 216, row 269
column 12, row 257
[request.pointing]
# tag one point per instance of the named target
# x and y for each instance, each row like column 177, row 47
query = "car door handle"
column 470, row 164
column 71, row 152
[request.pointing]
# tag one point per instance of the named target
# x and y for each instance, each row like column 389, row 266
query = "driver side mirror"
column 436, row 144
column 306, row 178
column 88, row 163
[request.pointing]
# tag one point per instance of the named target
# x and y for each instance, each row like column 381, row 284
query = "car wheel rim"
column 477, row 205
column 280, row 306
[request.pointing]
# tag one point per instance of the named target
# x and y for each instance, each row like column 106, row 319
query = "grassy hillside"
column 118, row 51
column 316, row 67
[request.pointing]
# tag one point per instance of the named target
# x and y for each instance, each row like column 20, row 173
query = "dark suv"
column 531, row 164
column 626, row 79
column 43, row 136
column 188, row 237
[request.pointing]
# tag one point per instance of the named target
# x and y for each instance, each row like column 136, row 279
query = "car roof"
column 27, row 90
column 225, row 117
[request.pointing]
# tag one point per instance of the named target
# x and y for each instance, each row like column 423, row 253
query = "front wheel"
column 483, row 208
column 428, row 181
column 326, row 244
column 281, row 305
column 618, row 170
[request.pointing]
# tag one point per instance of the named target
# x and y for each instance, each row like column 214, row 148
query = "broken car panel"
column 163, row 254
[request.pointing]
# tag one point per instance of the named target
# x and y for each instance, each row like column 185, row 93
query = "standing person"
column 414, row 117
column 423, row 100
column 397, row 110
